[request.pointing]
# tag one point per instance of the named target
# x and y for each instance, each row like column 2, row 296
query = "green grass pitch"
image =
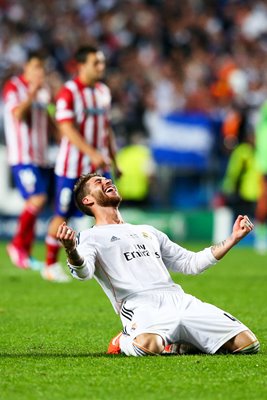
column 53, row 339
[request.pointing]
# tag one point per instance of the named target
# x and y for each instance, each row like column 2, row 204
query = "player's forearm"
column 112, row 145
column 74, row 258
column 219, row 250
column 74, row 136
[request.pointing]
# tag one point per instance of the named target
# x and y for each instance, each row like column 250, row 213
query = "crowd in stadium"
column 205, row 56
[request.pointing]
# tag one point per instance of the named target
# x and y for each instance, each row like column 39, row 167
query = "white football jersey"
column 126, row 259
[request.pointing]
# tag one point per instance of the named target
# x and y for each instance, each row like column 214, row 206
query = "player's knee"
column 38, row 200
column 250, row 348
column 150, row 343
column 243, row 343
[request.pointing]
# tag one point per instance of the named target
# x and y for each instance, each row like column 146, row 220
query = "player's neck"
column 85, row 81
column 107, row 216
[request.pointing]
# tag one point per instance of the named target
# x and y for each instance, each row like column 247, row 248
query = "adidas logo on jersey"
column 114, row 238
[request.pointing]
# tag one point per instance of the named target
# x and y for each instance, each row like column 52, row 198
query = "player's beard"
column 105, row 201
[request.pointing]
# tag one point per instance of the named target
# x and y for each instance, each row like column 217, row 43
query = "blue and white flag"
column 181, row 140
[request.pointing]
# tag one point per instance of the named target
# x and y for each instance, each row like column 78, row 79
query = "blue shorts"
column 65, row 204
column 31, row 180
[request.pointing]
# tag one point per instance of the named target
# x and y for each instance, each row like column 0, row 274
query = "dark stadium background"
column 192, row 66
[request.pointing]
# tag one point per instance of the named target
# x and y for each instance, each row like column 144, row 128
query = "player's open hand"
column 66, row 236
column 117, row 172
column 242, row 227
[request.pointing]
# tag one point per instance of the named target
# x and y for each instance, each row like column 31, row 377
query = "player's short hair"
column 35, row 54
column 80, row 191
column 83, row 51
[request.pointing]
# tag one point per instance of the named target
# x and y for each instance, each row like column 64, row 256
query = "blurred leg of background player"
column 64, row 209
column 32, row 183
column 261, row 215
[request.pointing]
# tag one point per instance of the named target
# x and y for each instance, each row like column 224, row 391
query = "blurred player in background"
column 242, row 180
column 131, row 264
column 138, row 172
column 82, row 113
column 26, row 123
column 261, row 156
column 243, row 186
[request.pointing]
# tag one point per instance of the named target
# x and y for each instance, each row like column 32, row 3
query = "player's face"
column 104, row 192
column 34, row 70
column 94, row 67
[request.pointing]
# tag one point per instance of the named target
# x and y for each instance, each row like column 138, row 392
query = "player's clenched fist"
column 66, row 236
column 242, row 226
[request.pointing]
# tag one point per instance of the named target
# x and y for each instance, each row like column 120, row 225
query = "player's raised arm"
column 82, row 267
column 36, row 83
column 241, row 228
column 67, row 237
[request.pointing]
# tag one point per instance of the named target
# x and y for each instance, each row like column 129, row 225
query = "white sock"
column 260, row 242
column 130, row 348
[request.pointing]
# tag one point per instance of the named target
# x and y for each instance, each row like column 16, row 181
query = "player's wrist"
column 233, row 239
column 70, row 250
column 74, row 257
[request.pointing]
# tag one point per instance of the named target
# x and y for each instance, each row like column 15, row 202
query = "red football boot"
column 114, row 345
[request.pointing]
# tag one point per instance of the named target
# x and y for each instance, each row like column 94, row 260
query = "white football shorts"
column 179, row 318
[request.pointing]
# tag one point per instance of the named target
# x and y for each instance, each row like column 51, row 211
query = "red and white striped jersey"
column 88, row 109
column 27, row 140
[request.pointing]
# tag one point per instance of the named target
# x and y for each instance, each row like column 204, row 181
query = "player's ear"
column 88, row 201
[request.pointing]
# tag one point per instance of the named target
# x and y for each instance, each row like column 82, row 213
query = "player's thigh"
column 206, row 326
column 29, row 180
column 155, row 313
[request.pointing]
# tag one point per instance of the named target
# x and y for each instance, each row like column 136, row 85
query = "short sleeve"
column 10, row 95
column 64, row 105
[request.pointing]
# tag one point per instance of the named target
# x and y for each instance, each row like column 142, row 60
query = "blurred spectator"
column 244, row 190
column 242, row 181
column 166, row 56
column 196, row 55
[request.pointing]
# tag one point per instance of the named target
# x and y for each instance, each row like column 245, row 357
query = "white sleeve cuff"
column 212, row 259
column 77, row 267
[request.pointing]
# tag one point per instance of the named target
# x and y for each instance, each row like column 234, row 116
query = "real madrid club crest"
column 146, row 235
